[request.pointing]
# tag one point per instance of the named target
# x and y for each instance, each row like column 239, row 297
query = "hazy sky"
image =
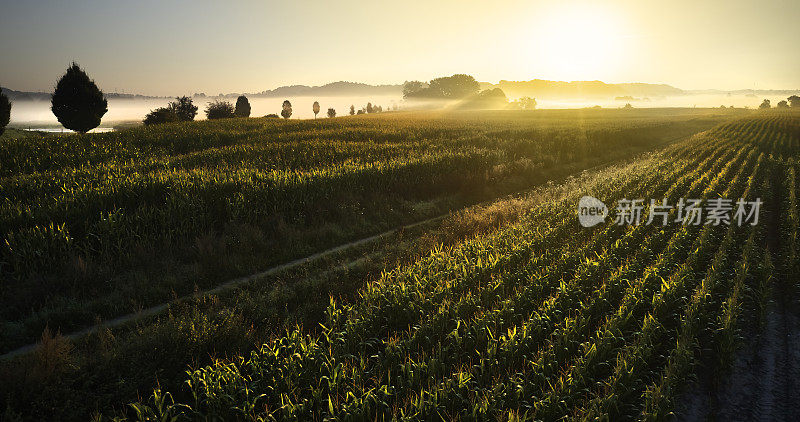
column 174, row 47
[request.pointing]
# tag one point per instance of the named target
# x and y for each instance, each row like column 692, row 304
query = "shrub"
column 219, row 110
column 183, row 108
column 331, row 112
column 286, row 111
column 272, row 116
column 161, row 115
column 5, row 112
column 77, row 103
column 783, row 104
column 242, row 107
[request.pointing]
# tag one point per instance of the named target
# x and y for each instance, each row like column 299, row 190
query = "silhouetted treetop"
column 219, row 110
column 5, row 112
column 242, row 107
column 183, row 108
column 77, row 102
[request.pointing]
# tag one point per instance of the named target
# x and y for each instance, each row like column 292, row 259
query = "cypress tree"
column 77, row 102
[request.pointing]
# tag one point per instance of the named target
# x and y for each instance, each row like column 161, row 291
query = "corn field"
column 98, row 226
column 542, row 319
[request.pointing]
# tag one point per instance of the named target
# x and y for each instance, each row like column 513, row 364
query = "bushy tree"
column 452, row 87
column 184, row 108
column 315, row 108
column 352, row 109
column 77, row 102
column 286, row 109
column 765, row 105
column 219, row 110
column 369, row 108
column 242, row 107
column 794, row 100
column 331, row 112
column 160, row 115
column 5, row 112
column 783, row 104
column 361, row 111
column 527, row 103
column 456, row 86
column 413, row 88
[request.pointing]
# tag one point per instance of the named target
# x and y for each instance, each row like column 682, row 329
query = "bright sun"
column 574, row 42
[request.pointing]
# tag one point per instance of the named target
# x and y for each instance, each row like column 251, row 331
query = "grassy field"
column 503, row 309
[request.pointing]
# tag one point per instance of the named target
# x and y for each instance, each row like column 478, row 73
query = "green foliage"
column 77, row 103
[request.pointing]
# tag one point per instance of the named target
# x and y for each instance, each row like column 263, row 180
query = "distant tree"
column 361, row 111
column 331, row 112
column 369, row 108
column 183, row 108
column 413, row 88
column 783, row 104
column 352, row 109
column 456, row 86
column 5, row 112
column 160, row 115
column 219, row 110
column 242, row 107
column 286, row 111
column 765, row 105
column 77, row 102
column 794, row 100
column 452, row 87
column 315, row 107
column 527, row 103
column 628, row 106
column 380, row 109
column 272, row 116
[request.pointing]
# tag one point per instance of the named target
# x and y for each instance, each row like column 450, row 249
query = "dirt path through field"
column 160, row 308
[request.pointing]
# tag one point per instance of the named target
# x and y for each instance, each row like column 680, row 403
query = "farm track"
column 240, row 281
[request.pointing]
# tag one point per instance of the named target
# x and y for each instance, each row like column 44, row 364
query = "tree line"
column 79, row 105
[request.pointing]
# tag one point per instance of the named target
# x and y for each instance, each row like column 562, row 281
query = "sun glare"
column 579, row 42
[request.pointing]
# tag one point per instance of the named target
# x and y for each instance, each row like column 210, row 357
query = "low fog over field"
column 37, row 115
